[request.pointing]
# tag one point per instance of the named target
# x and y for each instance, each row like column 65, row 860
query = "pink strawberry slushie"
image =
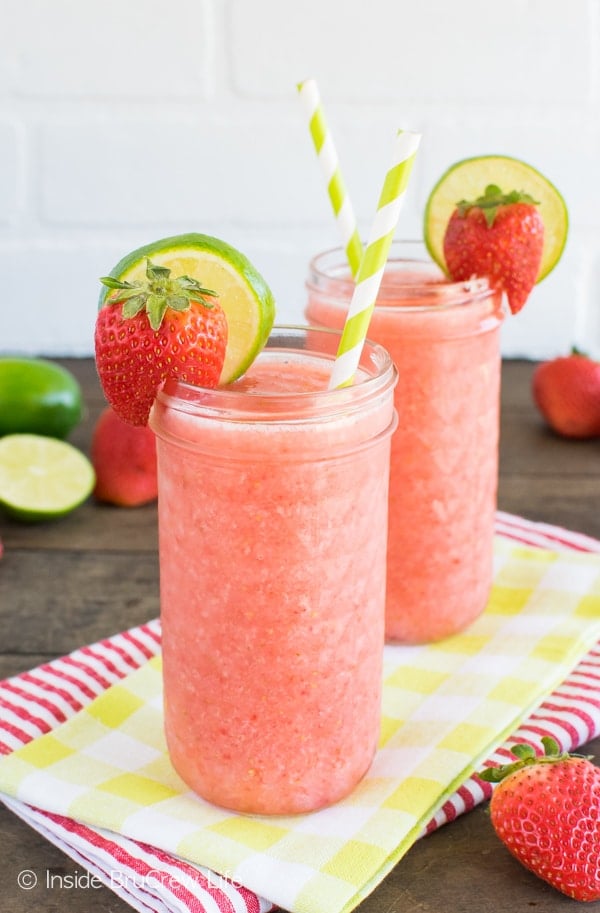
column 444, row 340
column 273, row 525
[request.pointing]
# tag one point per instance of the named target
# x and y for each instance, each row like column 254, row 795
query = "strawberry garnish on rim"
column 499, row 236
column 546, row 810
column 155, row 329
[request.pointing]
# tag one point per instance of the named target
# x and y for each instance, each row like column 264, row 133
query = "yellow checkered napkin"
column 445, row 708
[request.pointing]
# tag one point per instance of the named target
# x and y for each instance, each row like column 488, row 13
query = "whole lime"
column 38, row 396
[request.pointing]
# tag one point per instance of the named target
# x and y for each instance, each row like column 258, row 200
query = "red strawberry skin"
column 124, row 460
column 508, row 252
column 566, row 391
column 133, row 360
column 548, row 816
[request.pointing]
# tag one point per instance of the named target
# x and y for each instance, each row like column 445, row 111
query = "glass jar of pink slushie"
column 445, row 341
column 273, row 497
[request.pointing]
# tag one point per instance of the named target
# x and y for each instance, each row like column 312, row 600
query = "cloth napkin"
column 99, row 780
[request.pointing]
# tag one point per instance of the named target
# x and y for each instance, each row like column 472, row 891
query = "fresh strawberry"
column 546, row 810
column 499, row 236
column 566, row 390
column 148, row 331
column 124, row 460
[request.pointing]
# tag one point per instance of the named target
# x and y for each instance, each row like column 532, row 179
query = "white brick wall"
column 122, row 122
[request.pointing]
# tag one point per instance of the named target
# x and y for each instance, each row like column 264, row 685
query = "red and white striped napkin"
column 149, row 879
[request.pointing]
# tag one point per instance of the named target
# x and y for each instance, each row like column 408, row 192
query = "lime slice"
column 467, row 180
column 243, row 293
column 42, row 478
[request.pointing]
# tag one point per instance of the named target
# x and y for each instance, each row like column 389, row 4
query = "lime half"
column 467, row 180
column 243, row 294
column 41, row 477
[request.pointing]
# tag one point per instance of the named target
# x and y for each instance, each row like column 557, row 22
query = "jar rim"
column 329, row 273
column 247, row 404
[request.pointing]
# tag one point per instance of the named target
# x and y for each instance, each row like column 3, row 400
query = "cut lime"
column 42, row 478
column 38, row 397
column 243, row 293
column 467, row 180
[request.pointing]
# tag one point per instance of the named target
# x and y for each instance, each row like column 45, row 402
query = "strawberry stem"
column 156, row 294
column 526, row 756
column 492, row 199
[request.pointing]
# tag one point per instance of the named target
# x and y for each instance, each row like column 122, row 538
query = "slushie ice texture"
column 273, row 500
column 445, row 341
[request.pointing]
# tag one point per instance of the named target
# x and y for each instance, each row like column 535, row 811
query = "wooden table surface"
column 71, row 582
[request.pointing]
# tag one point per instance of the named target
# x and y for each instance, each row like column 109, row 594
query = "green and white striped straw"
column 330, row 166
column 373, row 262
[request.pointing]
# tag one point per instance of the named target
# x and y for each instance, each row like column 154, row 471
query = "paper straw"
column 328, row 159
column 373, row 263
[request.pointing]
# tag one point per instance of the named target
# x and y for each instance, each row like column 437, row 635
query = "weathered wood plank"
column 568, row 501
column 529, row 448
column 93, row 527
column 55, row 602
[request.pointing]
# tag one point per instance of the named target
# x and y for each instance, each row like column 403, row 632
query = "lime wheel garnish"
column 242, row 292
column 467, row 180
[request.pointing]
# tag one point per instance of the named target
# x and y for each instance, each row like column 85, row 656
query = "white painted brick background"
column 122, row 121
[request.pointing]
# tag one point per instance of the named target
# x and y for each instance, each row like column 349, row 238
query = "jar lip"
column 328, row 271
column 279, row 406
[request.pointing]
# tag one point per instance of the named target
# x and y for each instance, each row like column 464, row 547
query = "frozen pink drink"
column 444, row 340
column 273, row 524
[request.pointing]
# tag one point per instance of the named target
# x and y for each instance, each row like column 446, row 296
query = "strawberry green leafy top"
column 491, row 199
column 526, row 757
column 157, row 293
